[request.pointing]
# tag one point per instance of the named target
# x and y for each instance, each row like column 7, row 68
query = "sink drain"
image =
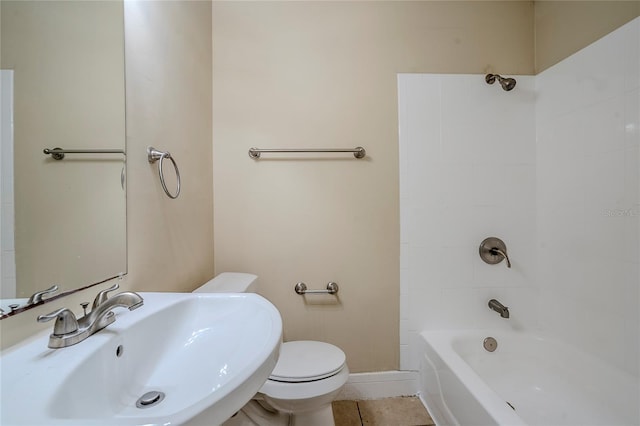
column 150, row 399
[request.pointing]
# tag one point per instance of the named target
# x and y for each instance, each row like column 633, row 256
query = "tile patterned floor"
column 402, row 411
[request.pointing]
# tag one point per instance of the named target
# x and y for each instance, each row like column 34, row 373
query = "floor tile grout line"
column 390, row 406
column 359, row 414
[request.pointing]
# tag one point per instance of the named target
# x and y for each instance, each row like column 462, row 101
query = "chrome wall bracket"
column 301, row 288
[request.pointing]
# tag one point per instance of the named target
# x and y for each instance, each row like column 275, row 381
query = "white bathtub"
column 546, row 381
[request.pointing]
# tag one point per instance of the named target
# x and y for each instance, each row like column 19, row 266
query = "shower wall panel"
column 588, row 133
column 552, row 168
column 467, row 172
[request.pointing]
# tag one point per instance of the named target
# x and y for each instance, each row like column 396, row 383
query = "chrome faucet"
column 68, row 330
column 99, row 300
column 38, row 296
column 499, row 308
column 102, row 296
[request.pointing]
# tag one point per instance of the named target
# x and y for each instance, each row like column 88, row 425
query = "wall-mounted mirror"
column 63, row 221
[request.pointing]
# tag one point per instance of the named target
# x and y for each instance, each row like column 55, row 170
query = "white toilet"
column 304, row 382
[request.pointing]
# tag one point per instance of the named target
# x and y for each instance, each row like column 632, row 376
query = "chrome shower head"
column 506, row 83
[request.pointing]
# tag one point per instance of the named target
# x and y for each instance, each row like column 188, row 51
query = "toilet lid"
column 305, row 360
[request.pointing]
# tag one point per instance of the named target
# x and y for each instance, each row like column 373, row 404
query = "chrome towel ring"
column 154, row 155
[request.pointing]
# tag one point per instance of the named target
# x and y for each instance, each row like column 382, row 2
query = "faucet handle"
column 493, row 250
column 496, row 250
column 102, row 296
column 66, row 322
column 37, row 296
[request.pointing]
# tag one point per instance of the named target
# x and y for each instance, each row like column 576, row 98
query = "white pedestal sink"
column 202, row 352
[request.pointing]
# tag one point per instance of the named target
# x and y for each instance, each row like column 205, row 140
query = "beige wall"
column 564, row 27
column 287, row 75
column 323, row 74
column 168, row 95
column 169, row 107
column 68, row 63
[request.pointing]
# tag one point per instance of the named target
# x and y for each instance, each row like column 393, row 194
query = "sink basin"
column 207, row 354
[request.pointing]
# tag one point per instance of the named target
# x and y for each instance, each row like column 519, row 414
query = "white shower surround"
column 7, row 243
column 551, row 168
column 467, row 172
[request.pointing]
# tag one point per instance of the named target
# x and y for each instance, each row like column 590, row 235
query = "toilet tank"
column 230, row 282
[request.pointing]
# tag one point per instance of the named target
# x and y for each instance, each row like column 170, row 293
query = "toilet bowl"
column 306, row 379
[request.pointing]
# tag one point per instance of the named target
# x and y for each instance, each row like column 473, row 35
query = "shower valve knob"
column 493, row 250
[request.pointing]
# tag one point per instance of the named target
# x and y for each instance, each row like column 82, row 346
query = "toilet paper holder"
column 301, row 288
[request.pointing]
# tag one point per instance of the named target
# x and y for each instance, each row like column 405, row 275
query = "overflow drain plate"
column 150, row 399
column 490, row 344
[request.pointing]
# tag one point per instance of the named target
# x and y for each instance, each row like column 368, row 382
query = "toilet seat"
column 324, row 389
column 306, row 370
column 307, row 361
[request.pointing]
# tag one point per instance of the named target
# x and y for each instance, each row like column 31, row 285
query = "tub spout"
column 494, row 305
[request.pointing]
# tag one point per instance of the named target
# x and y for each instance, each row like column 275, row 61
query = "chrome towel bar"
column 58, row 153
column 358, row 152
column 301, row 288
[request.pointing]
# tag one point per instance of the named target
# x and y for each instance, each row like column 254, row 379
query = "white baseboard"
column 383, row 384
